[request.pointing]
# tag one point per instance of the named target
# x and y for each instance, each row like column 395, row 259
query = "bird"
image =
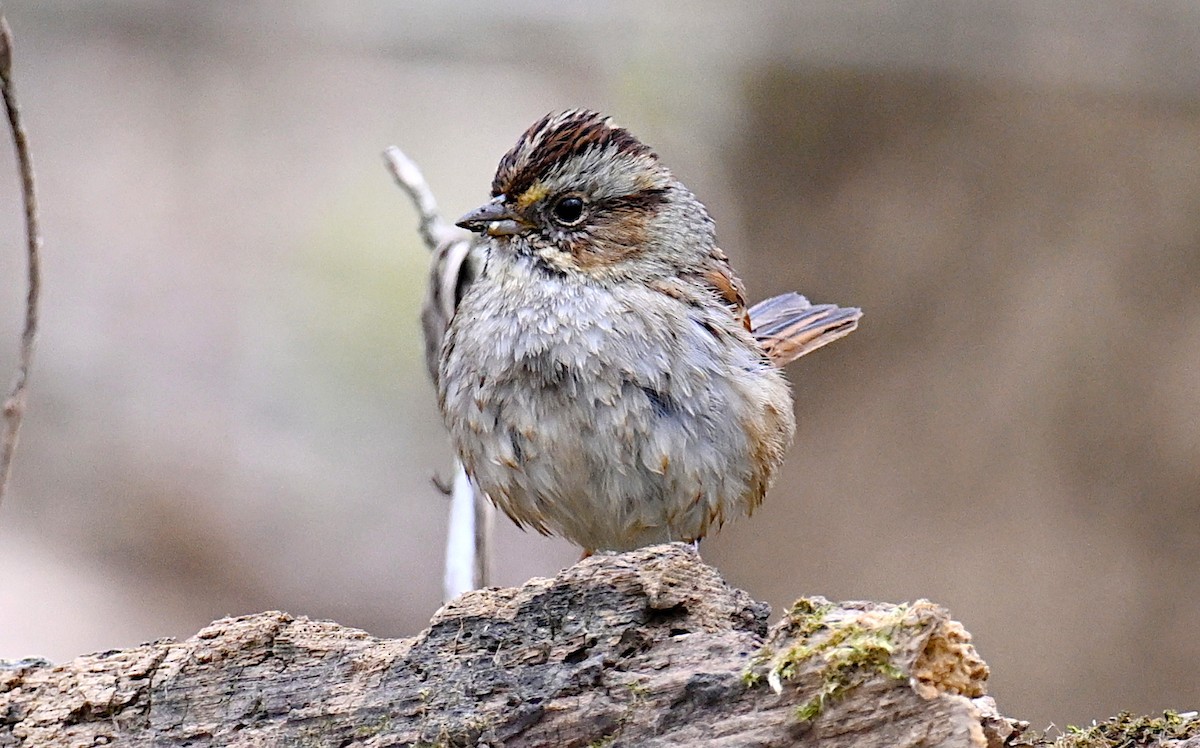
column 597, row 366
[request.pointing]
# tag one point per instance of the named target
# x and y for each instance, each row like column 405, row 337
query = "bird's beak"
column 493, row 217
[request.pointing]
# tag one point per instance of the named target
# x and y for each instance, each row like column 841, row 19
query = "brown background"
column 229, row 411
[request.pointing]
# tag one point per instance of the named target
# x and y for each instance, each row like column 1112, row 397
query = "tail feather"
column 789, row 326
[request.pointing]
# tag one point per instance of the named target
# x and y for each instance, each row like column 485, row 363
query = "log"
column 646, row 648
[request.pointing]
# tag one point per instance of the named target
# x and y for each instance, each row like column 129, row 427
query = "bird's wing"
column 719, row 276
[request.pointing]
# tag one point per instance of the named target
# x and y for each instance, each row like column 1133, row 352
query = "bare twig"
column 463, row 557
column 434, row 229
column 471, row 515
column 14, row 404
column 485, row 520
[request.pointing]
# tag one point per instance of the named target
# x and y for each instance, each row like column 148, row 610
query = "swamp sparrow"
column 600, row 374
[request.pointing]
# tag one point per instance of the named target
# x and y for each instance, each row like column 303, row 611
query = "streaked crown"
column 555, row 139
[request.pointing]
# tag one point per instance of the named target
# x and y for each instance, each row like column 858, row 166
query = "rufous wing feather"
column 789, row 326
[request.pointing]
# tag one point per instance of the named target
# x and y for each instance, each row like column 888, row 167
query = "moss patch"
column 845, row 651
column 1128, row 731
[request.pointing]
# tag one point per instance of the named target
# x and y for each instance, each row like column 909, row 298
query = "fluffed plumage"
column 602, row 377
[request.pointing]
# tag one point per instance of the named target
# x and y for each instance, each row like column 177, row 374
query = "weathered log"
column 647, row 648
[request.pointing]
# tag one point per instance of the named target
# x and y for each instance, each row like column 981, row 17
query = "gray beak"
column 492, row 217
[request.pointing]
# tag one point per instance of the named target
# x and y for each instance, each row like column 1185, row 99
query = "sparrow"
column 597, row 367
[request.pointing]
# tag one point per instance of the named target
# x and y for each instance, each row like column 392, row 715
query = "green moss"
column 374, row 727
column 807, row 616
column 638, row 691
column 804, row 619
column 452, row 735
column 751, row 677
column 846, row 653
column 850, row 655
column 1128, row 731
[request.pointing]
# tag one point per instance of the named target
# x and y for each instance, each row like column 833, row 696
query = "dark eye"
column 568, row 210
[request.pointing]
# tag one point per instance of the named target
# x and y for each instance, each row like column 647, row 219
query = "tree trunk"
column 647, row 648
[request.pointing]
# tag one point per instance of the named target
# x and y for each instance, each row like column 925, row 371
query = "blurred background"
column 229, row 411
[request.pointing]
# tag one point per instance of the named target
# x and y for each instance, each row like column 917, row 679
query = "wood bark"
column 647, row 648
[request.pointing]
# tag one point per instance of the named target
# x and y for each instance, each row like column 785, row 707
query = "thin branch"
column 434, row 229
column 468, row 536
column 14, row 404
column 485, row 520
column 462, row 549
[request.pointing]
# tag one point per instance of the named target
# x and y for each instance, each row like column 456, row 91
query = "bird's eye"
column 568, row 210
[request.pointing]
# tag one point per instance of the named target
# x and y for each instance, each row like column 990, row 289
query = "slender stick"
column 14, row 404
column 485, row 520
column 468, row 536
column 434, row 229
column 463, row 558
